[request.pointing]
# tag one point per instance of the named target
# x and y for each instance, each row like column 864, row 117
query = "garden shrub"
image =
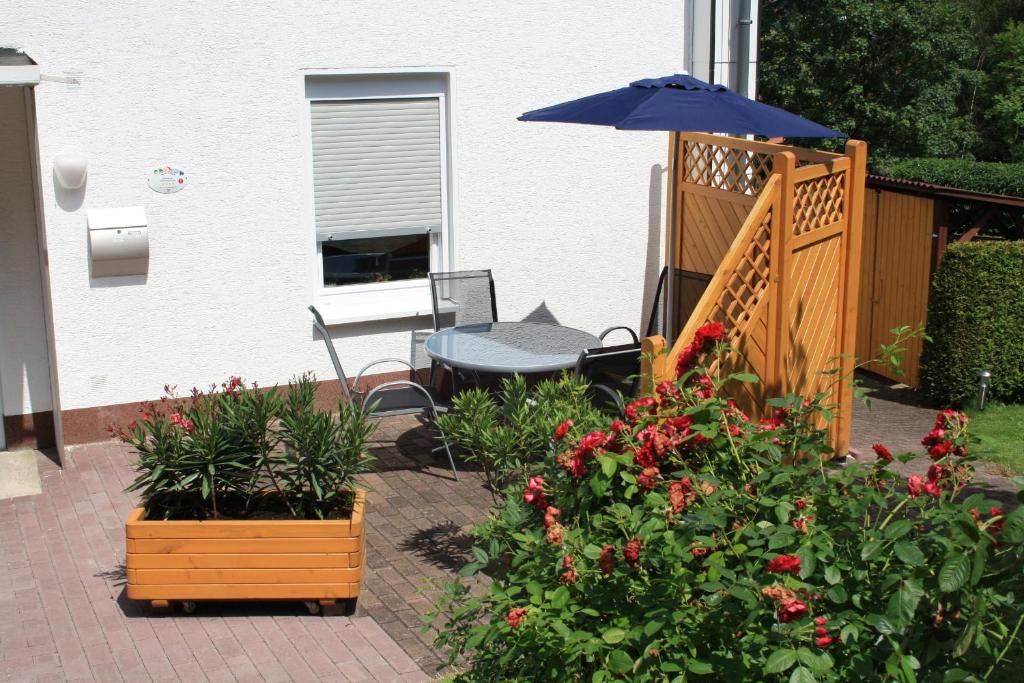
column 246, row 452
column 976, row 322
column 504, row 431
column 689, row 541
column 964, row 174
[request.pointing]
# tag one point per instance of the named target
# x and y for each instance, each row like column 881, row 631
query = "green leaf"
column 903, row 603
column 802, row 674
column 978, row 560
column 559, row 598
column 614, row 635
column 619, row 661
column 652, row 627
column 744, row 595
column 608, row 465
column 898, row 529
column 871, row 549
column 591, row 551
column 698, row 667
column 480, row 555
column 808, row 562
column 954, row 573
column 748, row 377
column 909, row 553
column 832, row 575
column 780, row 661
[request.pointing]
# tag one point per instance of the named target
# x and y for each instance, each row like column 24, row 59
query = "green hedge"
column 976, row 322
column 964, row 174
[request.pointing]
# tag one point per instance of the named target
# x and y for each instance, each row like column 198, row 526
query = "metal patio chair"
column 612, row 372
column 689, row 287
column 461, row 297
column 395, row 397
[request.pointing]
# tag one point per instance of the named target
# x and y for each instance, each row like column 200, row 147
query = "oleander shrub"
column 976, row 322
column 245, row 452
column 690, row 542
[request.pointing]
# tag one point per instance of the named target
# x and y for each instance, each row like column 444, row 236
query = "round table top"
column 510, row 347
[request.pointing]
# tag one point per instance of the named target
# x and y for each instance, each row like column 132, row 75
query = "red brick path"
column 64, row 616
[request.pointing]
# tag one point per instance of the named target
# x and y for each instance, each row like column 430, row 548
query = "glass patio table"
column 510, row 347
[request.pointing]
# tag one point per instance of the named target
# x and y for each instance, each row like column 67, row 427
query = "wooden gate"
column 785, row 286
column 896, row 271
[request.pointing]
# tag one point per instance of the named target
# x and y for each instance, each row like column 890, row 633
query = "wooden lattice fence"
column 779, row 229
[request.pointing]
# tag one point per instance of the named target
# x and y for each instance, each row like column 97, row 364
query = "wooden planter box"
column 318, row 561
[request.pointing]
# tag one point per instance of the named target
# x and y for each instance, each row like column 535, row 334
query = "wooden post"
column 857, row 150
column 776, row 382
column 652, row 362
column 940, row 232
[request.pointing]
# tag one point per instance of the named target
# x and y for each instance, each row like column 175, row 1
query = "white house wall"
column 568, row 217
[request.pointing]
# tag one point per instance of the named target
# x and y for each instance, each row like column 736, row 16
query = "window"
column 379, row 180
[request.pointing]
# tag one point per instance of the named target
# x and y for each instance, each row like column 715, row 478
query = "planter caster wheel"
column 188, row 606
column 313, row 607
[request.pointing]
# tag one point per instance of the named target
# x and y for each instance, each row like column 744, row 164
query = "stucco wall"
column 568, row 217
column 24, row 367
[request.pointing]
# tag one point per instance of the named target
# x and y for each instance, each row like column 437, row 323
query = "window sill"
column 363, row 307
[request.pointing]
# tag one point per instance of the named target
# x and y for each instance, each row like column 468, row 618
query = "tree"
column 1002, row 116
column 897, row 74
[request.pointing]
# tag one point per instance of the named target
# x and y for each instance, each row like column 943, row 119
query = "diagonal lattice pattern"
column 818, row 202
column 746, row 285
column 725, row 168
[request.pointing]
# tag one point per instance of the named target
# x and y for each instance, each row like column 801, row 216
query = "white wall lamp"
column 71, row 170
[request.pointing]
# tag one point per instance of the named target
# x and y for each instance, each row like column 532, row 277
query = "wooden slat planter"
column 319, row 561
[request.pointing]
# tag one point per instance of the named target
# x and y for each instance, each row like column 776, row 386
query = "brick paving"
column 898, row 417
column 64, row 615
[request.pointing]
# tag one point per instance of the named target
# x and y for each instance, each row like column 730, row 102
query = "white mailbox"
column 118, row 241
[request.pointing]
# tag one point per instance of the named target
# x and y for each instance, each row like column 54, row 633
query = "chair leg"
column 447, row 450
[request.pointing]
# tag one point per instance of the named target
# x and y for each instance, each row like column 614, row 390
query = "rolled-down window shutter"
column 376, row 167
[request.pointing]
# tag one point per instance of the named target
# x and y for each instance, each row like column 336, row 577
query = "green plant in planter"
column 504, row 432
column 245, row 451
column 691, row 541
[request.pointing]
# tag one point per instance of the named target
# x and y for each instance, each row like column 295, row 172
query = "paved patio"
column 65, row 615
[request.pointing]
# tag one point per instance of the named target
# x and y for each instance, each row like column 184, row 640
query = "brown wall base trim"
column 88, row 425
column 32, row 430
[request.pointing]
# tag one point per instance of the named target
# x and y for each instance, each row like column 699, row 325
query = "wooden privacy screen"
column 896, row 269
column 779, row 227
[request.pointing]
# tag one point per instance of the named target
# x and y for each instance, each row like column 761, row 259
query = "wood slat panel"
column 251, row 561
column 144, row 577
column 185, row 546
column 249, row 591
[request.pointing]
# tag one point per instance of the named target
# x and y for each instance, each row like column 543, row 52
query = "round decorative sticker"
column 167, row 179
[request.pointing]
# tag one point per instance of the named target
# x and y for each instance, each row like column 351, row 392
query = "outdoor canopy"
column 681, row 103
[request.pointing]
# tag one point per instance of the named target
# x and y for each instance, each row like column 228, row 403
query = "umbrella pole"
column 670, row 314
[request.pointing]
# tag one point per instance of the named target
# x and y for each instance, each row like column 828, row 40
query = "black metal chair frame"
column 591, row 357
column 420, row 398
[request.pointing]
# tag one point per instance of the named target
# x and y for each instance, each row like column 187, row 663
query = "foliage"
column 691, row 541
column 245, row 451
column 999, row 430
column 896, row 74
column 976, row 322
column 965, row 174
column 1002, row 99
column 505, row 431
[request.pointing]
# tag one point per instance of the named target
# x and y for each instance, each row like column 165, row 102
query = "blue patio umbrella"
column 681, row 103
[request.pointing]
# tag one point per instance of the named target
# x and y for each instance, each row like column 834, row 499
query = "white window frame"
column 379, row 300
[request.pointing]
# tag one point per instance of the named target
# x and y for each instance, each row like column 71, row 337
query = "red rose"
column 932, row 489
column 800, row 523
column 617, row 426
column 648, row 478
column 639, row 407
column 534, row 493
column 824, row 641
column 800, row 503
column 515, row 616
column 820, row 621
column 996, row 526
column 562, row 429
column 933, row 437
column 940, row 450
column 549, row 516
column 698, row 551
column 679, row 494
column 607, row 559
column 632, row 551
column 667, row 389
column 591, row 442
column 821, row 630
column 882, row 452
column 784, row 564
column 554, row 534
column 791, row 611
column 914, row 485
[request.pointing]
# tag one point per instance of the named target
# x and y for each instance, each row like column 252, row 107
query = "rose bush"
column 689, row 540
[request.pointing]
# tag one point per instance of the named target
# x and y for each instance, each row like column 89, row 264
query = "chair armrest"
column 636, row 340
column 359, row 375
column 367, row 402
column 613, row 394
